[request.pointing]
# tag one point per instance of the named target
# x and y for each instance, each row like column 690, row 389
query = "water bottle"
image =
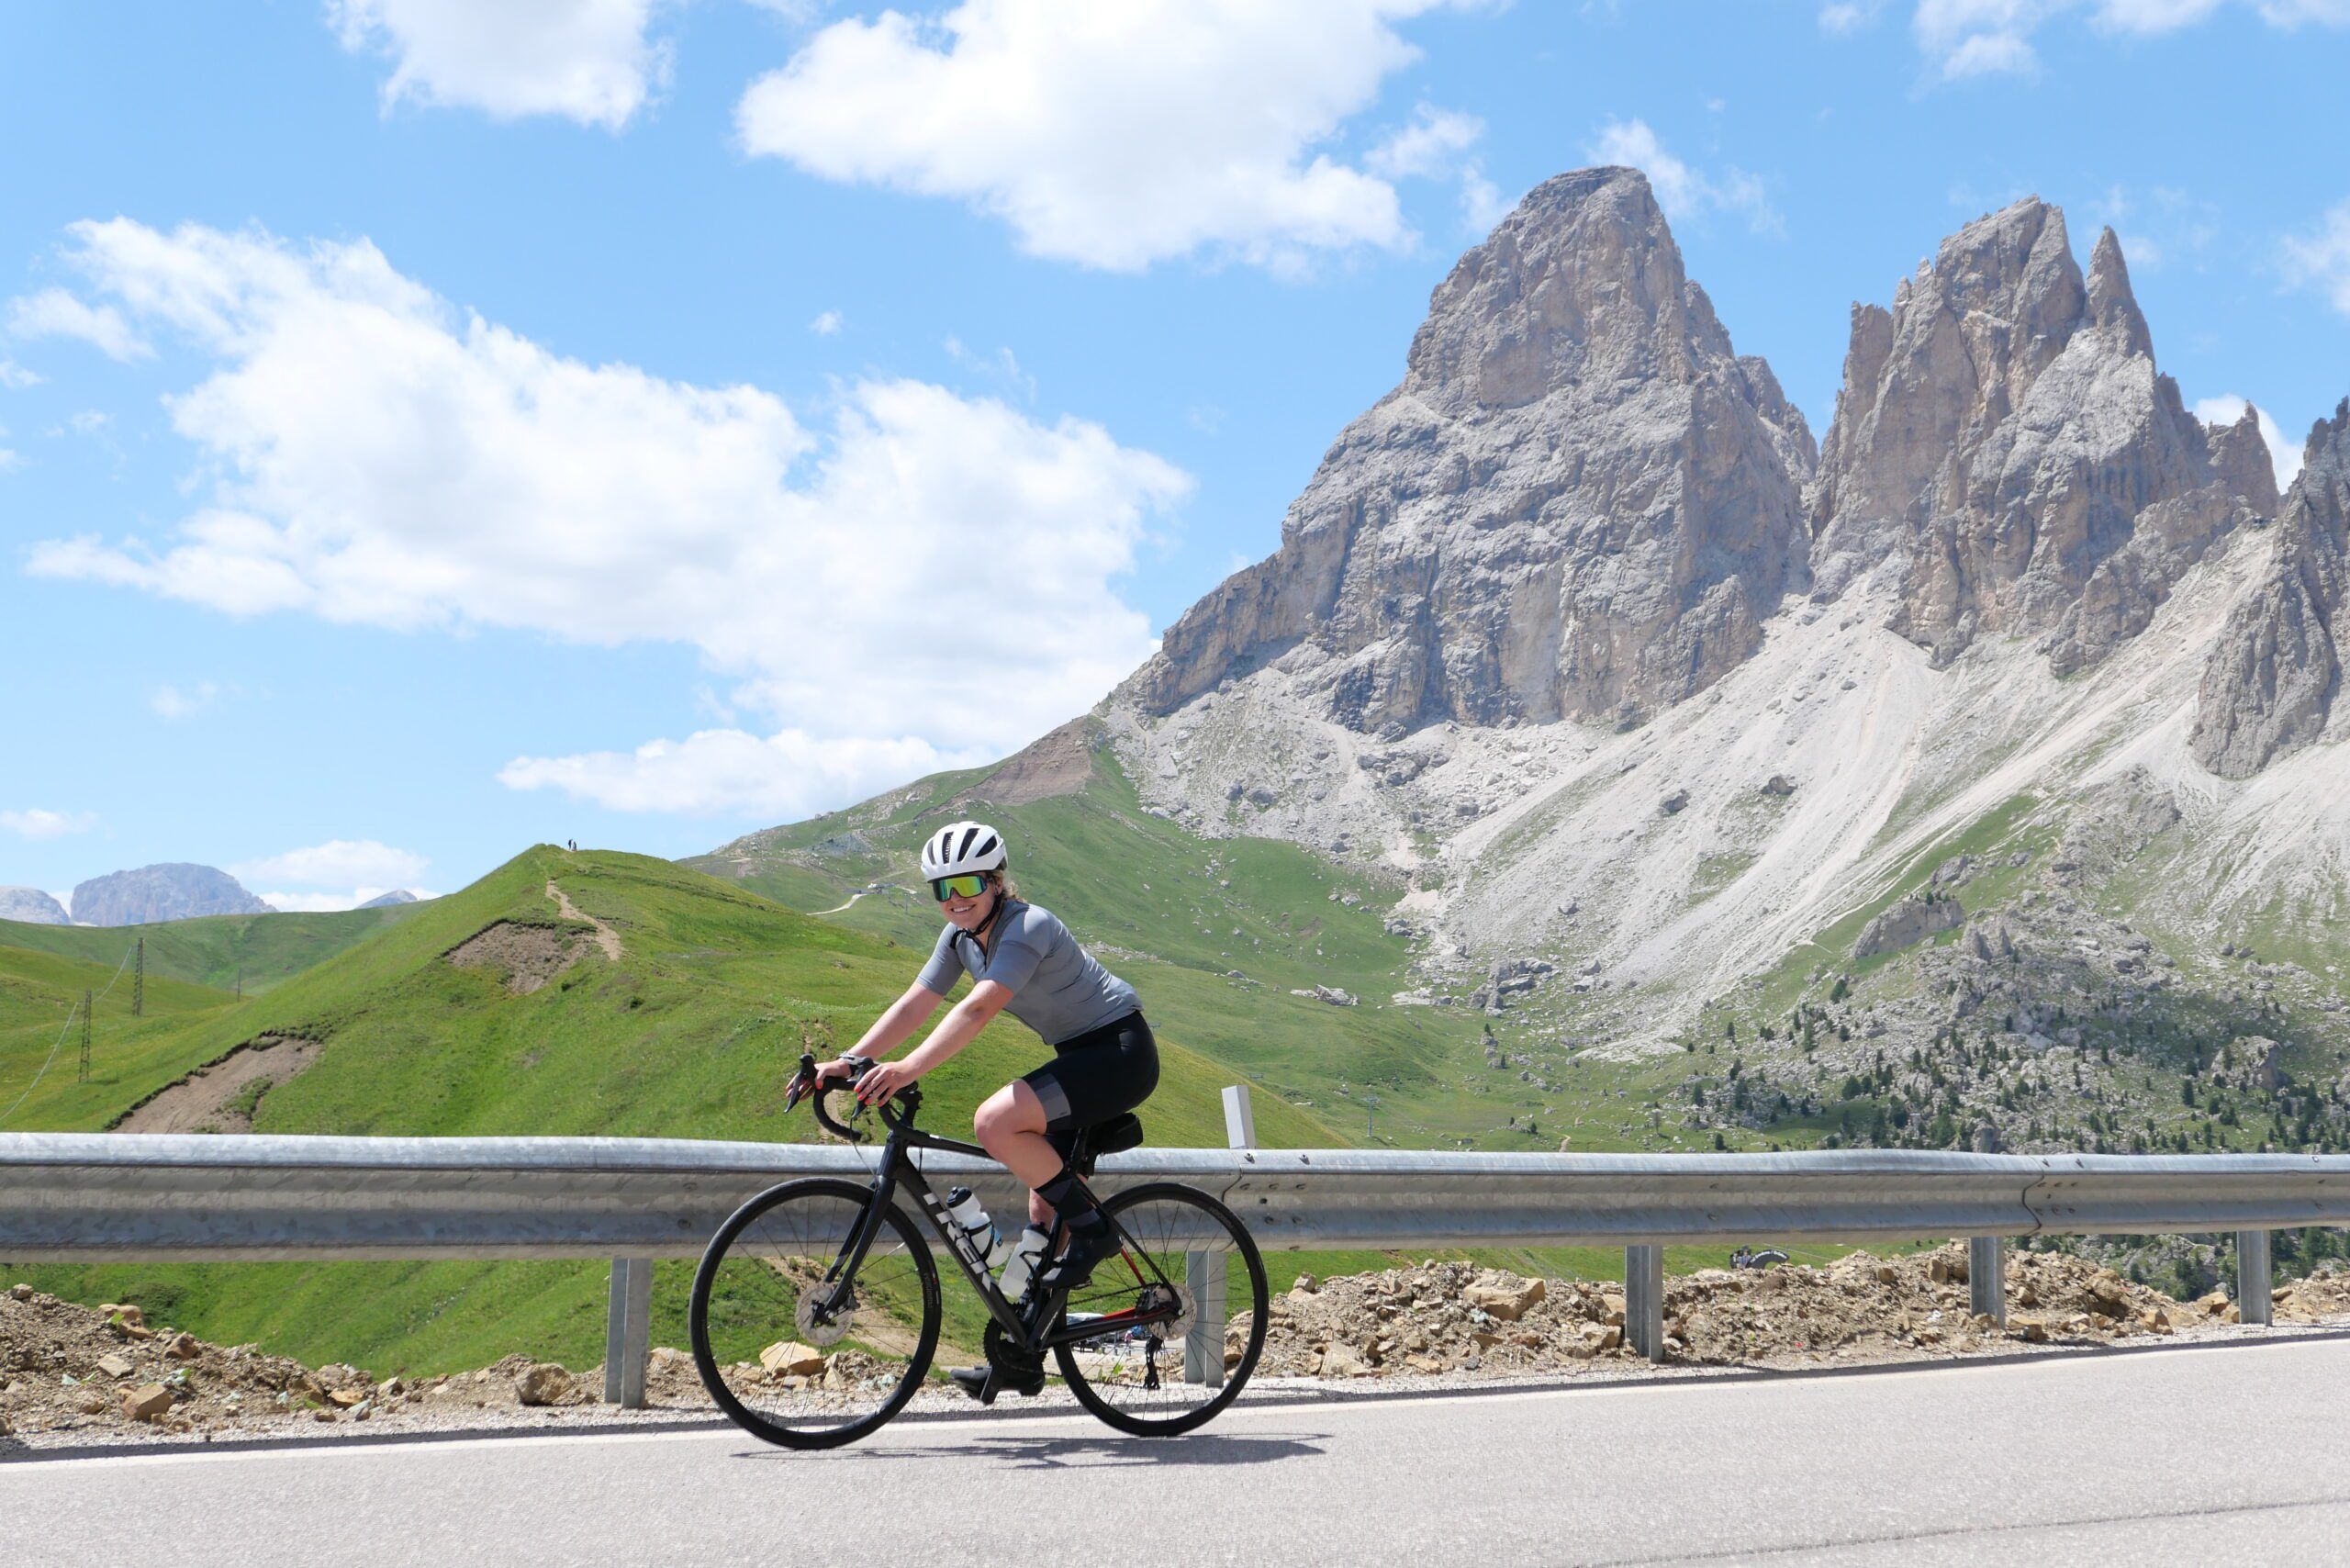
column 1026, row 1253
column 964, row 1208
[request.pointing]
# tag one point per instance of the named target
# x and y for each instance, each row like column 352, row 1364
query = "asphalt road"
column 2213, row 1455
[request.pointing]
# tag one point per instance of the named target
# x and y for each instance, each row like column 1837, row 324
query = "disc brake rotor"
column 831, row 1329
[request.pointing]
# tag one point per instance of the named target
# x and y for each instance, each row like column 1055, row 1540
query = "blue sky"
column 433, row 427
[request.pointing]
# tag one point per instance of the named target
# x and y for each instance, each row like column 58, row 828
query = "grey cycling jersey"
column 1057, row 987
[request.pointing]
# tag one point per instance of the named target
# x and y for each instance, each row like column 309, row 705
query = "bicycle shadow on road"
column 1107, row 1451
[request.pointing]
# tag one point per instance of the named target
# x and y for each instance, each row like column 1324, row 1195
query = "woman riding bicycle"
column 1024, row 962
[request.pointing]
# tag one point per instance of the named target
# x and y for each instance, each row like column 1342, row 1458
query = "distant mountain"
column 397, row 895
column 32, row 906
column 153, row 893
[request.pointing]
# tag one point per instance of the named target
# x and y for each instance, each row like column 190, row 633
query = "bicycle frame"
column 898, row 1171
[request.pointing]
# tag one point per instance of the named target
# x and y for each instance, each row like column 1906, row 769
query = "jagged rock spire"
column 2270, row 684
column 2112, row 305
column 2005, row 446
column 1579, row 501
column 2240, row 457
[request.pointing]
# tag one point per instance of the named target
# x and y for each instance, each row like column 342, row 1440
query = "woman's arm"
column 890, row 1031
column 971, row 1016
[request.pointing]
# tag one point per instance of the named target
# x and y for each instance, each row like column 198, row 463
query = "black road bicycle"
column 816, row 1309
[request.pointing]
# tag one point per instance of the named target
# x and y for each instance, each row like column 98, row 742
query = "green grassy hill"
column 691, row 1033
column 1216, row 934
column 40, row 993
column 220, row 950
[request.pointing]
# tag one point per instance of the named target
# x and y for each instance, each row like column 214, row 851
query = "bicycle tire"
column 1242, row 1249
column 812, row 1435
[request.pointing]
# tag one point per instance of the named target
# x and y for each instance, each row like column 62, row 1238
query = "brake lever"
column 803, row 1083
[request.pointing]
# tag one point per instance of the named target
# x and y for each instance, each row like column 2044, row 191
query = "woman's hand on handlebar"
column 883, row 1080
column 841, row 1069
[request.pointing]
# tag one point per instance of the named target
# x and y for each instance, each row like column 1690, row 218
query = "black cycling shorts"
column 1095, row 1076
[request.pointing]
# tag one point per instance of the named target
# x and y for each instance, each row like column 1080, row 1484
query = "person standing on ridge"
column 1022, row 960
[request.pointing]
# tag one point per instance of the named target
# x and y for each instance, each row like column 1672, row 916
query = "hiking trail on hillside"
column 606, row 937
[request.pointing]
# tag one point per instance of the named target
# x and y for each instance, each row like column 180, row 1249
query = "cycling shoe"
column 973, row 1380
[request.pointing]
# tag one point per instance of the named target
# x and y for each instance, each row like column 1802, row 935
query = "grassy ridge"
column 218, row 950
column 40, row 994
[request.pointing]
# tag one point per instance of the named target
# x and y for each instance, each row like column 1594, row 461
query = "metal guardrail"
column 97, row 1197
column 93, row 1197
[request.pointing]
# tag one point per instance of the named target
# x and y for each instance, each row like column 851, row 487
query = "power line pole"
column 139, row 983
column 85, row 1075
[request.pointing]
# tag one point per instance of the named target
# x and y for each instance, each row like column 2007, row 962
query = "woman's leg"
column 1011, row 1128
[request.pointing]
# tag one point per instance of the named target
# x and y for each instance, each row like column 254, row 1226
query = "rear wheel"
column 1181, row 1313
column 792, row 1354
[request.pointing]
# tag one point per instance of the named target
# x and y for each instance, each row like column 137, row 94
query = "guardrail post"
column 1204, row 1271
column 2252, row 1277
column 1644, row 1300
column 1239, row 1118
column 1987, row 1277
column 628, row 1332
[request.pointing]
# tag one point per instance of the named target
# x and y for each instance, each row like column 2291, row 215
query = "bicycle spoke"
column 801, row 1351
column 1181, row 1312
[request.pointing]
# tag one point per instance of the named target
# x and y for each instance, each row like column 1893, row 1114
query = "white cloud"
column 586, row 59
column 53, row 313
column 1684, row 192
column 1436, row 145
column 34, row 822
column 14, row 376
column 10, row 458
column 1481, row 202
column 1114, row 136
column 789, row 775
column 327, row 903
column 2283, row 454
column 1978, row 38
column 338, row 863
column 1431, row 144
column 2150, row 16
column 1002, row 366
column 827, row 323
column 2320, row 260
column 1847, row 16
column 921, row 565
column 183, row 702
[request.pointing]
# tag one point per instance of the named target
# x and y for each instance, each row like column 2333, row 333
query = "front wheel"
column 791, row 1349
column 1182, row 1312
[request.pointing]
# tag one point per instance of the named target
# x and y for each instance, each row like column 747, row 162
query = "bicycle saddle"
column 1116, row 1136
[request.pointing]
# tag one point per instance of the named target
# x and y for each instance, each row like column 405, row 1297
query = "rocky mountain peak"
column 170, row 891
column 1579, row 501
column 2269, row 686
column 2005, row 444
column 1582, row 280
column 2240, row 457
column 32, row 906
column 2112, row 305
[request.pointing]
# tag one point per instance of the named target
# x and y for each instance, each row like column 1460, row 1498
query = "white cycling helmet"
column 959, row 848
